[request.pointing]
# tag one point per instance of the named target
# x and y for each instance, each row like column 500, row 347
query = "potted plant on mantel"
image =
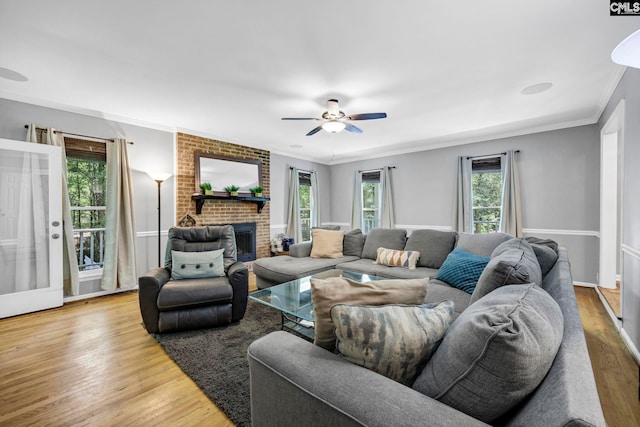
column 206, row 188
column 256, row 191
column 232, row 190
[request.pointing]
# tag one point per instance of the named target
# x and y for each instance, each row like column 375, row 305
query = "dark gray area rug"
column 216, row 359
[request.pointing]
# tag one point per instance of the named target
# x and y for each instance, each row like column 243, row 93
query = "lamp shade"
column 628, row 51
column 159, row 176
column 333, row 126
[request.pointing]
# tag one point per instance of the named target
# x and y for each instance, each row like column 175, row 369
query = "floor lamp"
column 159, row 177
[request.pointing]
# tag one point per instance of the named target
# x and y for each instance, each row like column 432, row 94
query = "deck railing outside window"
column 89, row 242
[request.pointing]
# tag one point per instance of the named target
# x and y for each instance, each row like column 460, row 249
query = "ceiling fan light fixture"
column 628, row 51
column 333, row 126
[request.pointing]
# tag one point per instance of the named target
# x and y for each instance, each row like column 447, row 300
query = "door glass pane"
column 24, row 207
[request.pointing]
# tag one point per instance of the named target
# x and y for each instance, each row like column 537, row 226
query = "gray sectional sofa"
column 360, row 255
column 294, row 381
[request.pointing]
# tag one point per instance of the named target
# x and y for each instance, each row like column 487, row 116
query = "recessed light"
column 296, row 146
column 8, row 74
column 537, row 88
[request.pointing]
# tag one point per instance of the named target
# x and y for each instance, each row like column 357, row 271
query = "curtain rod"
column 504, row 153
column 77, row 134
column 379, row 169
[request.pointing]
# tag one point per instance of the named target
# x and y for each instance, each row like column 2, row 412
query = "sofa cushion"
column 353, row 243
column 281, row 269
column 396, row 258
column 440, row 291
column 392, row 340
column 547, row 256
column 187, row 293
column 481, row 244
column 197, row 265
column 366, row 266
column 391, row 238
column 462, row 269
column 433, row 245
column 496, row 353
column 512, row 263
column 325, row 293
column 326, row 243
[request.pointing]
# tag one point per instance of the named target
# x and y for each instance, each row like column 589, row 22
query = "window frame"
column 371, row 177
column 304, row 180
column 486, row 165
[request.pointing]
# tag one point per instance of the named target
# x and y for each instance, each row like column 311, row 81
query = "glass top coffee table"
column 293, row 299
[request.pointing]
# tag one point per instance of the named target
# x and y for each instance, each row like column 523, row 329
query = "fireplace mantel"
column 200, row 198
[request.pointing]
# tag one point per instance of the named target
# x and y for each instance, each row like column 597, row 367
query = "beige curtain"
column 119, row 269
column 70, row 262
column 511, row 218
column 463, row 205
column 387, row 216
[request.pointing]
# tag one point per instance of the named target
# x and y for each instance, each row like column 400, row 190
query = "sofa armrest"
column 148, row 288
column 300, row 250
column 292, row 379
column 238, row 275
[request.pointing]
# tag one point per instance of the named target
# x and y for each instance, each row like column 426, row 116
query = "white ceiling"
column 446, row 73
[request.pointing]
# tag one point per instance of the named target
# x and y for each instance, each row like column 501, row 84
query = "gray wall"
column 559, row 174
column 14, row 115
column 280, row 190
column 629, row 90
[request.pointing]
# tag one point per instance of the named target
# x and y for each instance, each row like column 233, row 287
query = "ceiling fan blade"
column 367, row 116
column 314, row 130
column 300, row 118
column 353, row 129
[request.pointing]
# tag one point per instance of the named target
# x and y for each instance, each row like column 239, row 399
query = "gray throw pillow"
column 433, row 245
column 481, row 244
column 547, row 257
column 392, row 340
column 197, row 265
column 353, row 243
column 496, row 353
column 512, row 263
column 390, row 238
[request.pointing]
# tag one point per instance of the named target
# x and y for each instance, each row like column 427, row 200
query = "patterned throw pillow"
column 392, row 340
column 325, row 293
column 462, row 269
column 197, row 265
column 395, row 258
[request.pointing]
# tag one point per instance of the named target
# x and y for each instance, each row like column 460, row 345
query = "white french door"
column 30, row 227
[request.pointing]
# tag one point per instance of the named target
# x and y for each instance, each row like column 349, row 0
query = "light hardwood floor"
column 92, row 363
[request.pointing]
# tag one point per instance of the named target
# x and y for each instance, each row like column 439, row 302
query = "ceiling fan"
column 335, row 120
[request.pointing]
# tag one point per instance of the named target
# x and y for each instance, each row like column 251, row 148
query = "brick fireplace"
column 221, row 211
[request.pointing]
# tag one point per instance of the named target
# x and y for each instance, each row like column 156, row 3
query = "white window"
column 486, row 188
column 371, row 201
column 86, row 183
column 305, row 204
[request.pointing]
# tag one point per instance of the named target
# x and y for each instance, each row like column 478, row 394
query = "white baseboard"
column 629, row 343
column 585, row 284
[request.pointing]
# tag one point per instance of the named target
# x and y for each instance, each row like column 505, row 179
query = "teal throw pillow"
column 462, row 269
column 393, row 340
column 197, row 265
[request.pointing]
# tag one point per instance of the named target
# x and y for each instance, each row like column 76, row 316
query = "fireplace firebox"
column 245, row 240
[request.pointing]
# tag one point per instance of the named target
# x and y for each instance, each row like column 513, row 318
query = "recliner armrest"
column 238, row 275
column 148, row 288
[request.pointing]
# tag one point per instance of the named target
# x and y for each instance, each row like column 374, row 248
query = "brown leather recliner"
column 171, row 305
